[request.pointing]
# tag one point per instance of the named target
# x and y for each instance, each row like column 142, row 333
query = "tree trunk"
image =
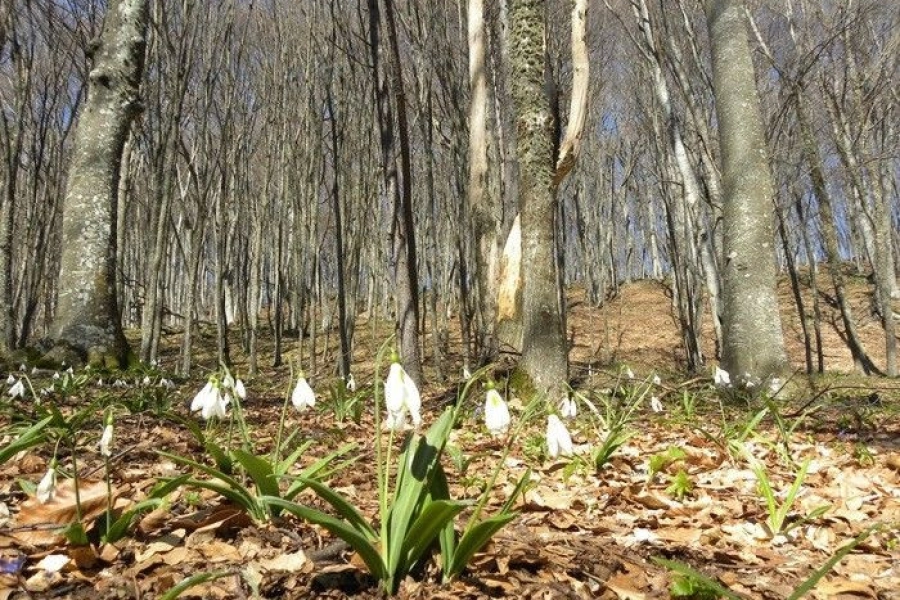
column 544, row 356
column 753, row 343
column 87, row 319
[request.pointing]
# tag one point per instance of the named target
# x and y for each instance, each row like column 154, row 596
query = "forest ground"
column 681, row 487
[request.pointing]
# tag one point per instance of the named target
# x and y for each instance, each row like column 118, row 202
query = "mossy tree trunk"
column 753, row 343
column 87, row 318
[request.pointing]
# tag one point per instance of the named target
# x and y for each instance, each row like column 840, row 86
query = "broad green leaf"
column 321, row 469
column 353, row 536
column 343, row 508
column 220, row 456
column 212, row 472
column 30, row 437
column 239, row 496
column 260, row 471
column 412, row 483
column 474, row 540
column 433, row 518
column 120, row 526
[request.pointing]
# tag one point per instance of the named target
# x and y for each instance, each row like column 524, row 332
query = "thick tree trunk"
column 753, row 343
column 544, row 356
column 87, row 319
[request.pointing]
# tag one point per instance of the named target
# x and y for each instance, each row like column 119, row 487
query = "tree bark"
column 753, row 343
column 544, row 354
column 87, row 319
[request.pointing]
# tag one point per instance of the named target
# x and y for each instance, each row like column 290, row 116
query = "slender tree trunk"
column 753, row 343
column 87, row 319
column 544, row 355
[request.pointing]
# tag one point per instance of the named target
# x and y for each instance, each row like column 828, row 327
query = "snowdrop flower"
column 303, row 396
column 210, row 402
column 71, row 371
column 401, row 396
column 466, row 373
column 350, row 383
column 559, row 442
column 34, row 370
column 239, row 390
column 496, row 412
column 106, row 438
column 656, row 380
column 46, row 489
column 629, row 374
column 17, row 390
column 10, row 380
column 567, row 408
column 165, row 383
column 56, row 375
column 775, row 385
column 655, row 405
column 22, row 367
column 721, row 377
column 146, row 380
column 119, row 383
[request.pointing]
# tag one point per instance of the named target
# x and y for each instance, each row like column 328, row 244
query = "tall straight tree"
column 87, row 324
column 544, row 355
column 753, row 343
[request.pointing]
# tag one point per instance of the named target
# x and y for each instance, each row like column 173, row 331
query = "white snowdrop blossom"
column 655, row 404
column 775, row 385
column 17, row 390
column 56, row 375
column 166, row 383
column 351, row 383
column 496, row 413
column 22, row 367
column 656, row 380
column 145, row 380
column 106, row 440
column 721, row 377
column 210, row 401
column 629, row 374
column 559, row 441
column 71, row 371
column 567, row 408
column 10, row 380
column 303, row 396
column 239, row 390
column 401, row 396
column 120, row 383
column 466, row 373
column 46, row 489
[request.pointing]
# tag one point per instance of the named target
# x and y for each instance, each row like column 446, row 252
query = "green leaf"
column 198, row 579
column 474, row 540
column 282, row 466
column 837, row 557
column 686, row 571
column 431, row 521
column 343, row 507
column 413, row 479
column 353, row 536
column 212, row 472
column 220, row 456
column 32, row 436
column 120, row 526
column 238, row 496
column 260, row 472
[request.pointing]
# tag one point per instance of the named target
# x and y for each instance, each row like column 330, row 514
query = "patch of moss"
column 521, row 384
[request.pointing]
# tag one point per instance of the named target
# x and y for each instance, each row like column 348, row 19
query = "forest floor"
column 684, row 485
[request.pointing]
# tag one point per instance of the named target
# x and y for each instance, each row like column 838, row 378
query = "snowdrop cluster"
column 401, row 396
column 214, row 398
column 721, row 377
column 568, row 408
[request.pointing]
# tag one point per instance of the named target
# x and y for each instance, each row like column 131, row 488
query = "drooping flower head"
column 721, row 377
column 401, row 396
column 303, row 396
column 496, row 412
column 567, row 407
column 46, row 489
column 351, row 383
column 106, row 437
column 559, row 441
column 210, row 401
column 17, row 390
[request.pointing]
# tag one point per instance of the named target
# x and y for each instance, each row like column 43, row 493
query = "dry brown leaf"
column 625, row 587
column 292, row 563
column 47, row 519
